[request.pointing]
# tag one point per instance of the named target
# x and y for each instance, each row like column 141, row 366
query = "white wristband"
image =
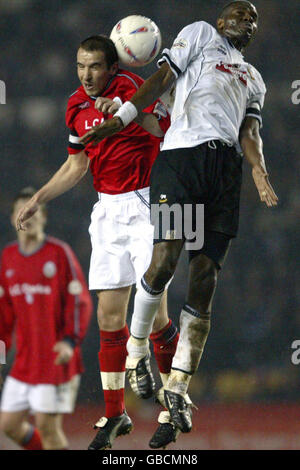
column 127, row 113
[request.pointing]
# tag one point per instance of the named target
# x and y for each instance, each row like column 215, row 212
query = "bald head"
column 226, row 9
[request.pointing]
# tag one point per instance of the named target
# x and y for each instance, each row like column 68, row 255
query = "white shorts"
column 122, row 239
column 44, row 398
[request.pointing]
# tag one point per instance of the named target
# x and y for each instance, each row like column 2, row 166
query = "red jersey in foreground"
column 123, row 162
column 46, row 297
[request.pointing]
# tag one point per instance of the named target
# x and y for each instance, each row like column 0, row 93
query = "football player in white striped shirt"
column 216, row 113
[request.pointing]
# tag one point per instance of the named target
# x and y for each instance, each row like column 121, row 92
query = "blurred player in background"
column 44, row 297
column 217, row 109
column 120, row 230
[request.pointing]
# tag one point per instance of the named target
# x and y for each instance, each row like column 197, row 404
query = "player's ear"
column 220, row 24
column 114, row 68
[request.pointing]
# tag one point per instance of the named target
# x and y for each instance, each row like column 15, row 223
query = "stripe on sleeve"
column 74, row 139
column 75, row 146
column 165, row 58
column 255, row 113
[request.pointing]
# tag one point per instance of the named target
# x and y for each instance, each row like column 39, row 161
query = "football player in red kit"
column 120, row 230
column 44, row 297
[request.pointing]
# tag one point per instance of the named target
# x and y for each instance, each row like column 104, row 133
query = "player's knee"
column 109, row 319
column 46, row 429
column 8, row 427
column 111, row 323
column 49, row 431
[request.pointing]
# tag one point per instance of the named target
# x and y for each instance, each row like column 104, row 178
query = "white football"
column 137, row 40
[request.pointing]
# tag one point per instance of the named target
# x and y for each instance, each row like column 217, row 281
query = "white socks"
column 193, row 334
column 146, row 305
column 178, row 382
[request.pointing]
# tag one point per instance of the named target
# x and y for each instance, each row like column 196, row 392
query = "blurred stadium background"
column 247, row 390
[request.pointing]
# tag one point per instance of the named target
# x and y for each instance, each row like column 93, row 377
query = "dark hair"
column 226, row 7
column 27, row 193
column 104, row 44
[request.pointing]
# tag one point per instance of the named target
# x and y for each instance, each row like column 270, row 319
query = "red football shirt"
column 123, row 162
column 46, row 297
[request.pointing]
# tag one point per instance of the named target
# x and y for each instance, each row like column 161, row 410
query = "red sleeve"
column 77, row 302
column 160, row 111
column 7, row 316
column 72, row 109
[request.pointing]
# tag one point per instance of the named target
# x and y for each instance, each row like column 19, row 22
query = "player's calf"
column 203, row 275
column 22, row 433
column 13, row 425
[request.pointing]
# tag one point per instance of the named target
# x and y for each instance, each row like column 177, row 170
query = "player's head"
column 35, row 225
column 238, row 22
column 97, row 61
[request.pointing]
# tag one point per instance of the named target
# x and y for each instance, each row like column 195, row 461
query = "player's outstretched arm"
column 151, row 89
column 146, row 120
column 252, row 147
column 69, row 174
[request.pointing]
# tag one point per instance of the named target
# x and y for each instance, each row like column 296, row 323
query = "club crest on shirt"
column 180, row 43
column 84, row 105
column 9, row 273
column 75, row 287
column 49, row 269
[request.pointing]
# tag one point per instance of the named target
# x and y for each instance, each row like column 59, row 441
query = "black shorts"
column 209, row 174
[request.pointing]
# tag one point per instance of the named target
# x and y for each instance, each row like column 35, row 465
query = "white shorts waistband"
column 144, row 192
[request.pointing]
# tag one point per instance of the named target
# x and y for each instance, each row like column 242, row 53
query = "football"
column 137, row 40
